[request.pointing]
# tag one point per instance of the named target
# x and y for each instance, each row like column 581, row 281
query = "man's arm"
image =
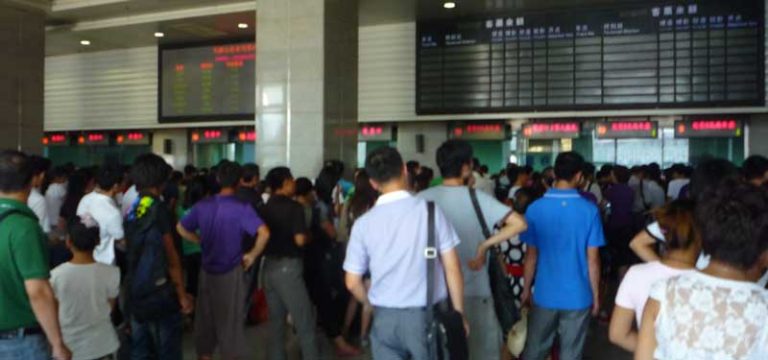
column 262, row 237
column 642, row 245
column 45, row 307
column 356, row 286
column 529, row 271
column 593, row 254
column 175, row 271
column 186, row 234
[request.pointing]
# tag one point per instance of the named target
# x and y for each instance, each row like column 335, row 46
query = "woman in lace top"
column 717, row 313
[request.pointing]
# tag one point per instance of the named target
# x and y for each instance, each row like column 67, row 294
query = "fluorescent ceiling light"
column 449, row 5
column 85, row 42
column 159, row 34
column 242, row 25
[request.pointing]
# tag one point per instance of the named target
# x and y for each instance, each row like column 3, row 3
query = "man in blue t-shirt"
column 563, row 237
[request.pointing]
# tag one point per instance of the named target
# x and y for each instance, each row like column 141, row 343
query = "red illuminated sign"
column 627, row 130
column 234, row 49
column 94, row 138
column 724, row 127
column 481, row 131
column 209, row 136
column 132, row 138
column 246, row 136
column 55, row 140
column 373, row 133
column 551, row 130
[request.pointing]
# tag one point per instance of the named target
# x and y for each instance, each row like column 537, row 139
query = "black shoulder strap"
column 431, row 255
column 479, row 213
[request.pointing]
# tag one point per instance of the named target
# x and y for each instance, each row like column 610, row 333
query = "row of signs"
column 637, row 129
column 132, row 138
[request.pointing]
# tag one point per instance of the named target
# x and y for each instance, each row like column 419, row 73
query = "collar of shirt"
column 562, row 193
column 11, row 204
column 392, row 197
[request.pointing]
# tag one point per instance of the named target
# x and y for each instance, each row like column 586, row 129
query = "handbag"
column 503, row 294
column 446, row 338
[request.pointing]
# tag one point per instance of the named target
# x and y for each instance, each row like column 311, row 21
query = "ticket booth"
column 95, row 148
column 720, row 137
column 245, row 145
column 211, row 146
column 543, row 140
column 371, row 137
column 490, row 141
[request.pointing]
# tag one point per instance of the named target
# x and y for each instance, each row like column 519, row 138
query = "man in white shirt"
column 36, row 201
column 679, row 175
column 100, row 206
column 54, row 196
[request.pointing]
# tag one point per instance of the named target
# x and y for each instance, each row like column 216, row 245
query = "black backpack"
column 150, row 293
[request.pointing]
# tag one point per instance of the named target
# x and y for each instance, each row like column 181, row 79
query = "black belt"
column 20, row 333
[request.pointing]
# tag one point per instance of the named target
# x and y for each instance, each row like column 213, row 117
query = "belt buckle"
column 430, row 253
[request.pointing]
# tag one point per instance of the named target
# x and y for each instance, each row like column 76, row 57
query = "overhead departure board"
column 671, row 54
column 214, row 82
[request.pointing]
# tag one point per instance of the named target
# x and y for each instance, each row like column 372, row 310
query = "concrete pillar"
column 22, row 64
column 306, row 83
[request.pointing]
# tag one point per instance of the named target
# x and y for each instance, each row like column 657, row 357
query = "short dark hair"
column 568, row 165
column 108, row 176
column 412, row 165
column 303, row 186
column 710, row 175
column 250, row 171
column 621, row 173
column 755, row 167
column 452, row 155
column 734, row 224
column 39, row 164
column 228, row 174
column 149, row 171
column 83, row 238
column 384, row 164
column 190, row 169
column 513, row 172
column 177, row 176
column 15, row 171
column 277, row 177
column 588, row 169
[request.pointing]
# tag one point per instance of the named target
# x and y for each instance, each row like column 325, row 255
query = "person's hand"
column 187, row 304
column 61, row 352
column 248, row 261
column 595, row 306
column 525, row 297
column 466, row 324
column 477, row 263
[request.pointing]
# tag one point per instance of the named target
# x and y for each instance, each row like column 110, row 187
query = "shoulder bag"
column 446, row 338
column 501, row 289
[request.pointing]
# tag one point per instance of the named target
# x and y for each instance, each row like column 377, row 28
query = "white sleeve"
column 114, row 225
column 113, row 286
column 37, row 204
column 654, row 230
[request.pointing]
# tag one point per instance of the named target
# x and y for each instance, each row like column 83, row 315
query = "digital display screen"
column 624, row 56
column 246, row 135
column 56, row 140
column 209, row 136
column 214, row 82
column 481, row 131
column 132, row 138
column 94, row 138
column 375, row 132
column 552, row 130
column 721, row 127
column 627, row 130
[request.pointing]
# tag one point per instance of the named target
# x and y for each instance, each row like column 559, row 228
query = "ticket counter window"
column 665, row 150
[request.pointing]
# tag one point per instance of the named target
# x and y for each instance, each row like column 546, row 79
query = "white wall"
column 115, row 89
column 179, row 158
column 435, row 133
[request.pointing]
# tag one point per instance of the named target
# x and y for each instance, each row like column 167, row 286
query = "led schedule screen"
column 208, row 82
column 639, row 55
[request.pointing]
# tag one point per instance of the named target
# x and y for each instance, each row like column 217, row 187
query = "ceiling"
column 116, row 24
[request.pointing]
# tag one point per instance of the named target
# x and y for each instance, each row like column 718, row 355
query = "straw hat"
column 518, row 334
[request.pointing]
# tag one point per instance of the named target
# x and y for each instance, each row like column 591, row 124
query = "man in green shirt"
column 28, row 310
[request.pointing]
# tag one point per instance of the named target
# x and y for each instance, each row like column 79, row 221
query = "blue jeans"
column 160, row 339
column 32, row 347
column 399, row 334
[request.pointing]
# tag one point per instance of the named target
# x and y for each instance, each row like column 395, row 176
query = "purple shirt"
column 621, row 197
column 589, row 196
column 223, row 223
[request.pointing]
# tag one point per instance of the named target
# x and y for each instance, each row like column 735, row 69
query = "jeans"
column 486, row 339
column 544, row 324
column 287, row 294
column 160, row 339
column 399, row 334
column 32, row 347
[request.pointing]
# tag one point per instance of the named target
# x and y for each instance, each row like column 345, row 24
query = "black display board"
column 672, row 54
column 207, row 81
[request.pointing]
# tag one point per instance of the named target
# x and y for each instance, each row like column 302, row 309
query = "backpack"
column 150, row 293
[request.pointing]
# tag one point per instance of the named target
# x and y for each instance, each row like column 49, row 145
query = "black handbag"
column 501, row 289
column 446, row 338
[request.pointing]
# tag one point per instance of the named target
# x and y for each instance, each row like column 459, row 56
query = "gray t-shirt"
column 83, row 292
column 457, row 206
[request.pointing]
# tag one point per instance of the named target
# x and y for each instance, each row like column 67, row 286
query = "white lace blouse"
column 703, row 317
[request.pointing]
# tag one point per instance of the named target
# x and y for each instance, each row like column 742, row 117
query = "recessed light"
column 449, row 5
column 159, row 34
column 85, row 42
column 242, row 25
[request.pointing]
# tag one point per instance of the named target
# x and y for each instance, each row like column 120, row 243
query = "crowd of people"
column 114, row 262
